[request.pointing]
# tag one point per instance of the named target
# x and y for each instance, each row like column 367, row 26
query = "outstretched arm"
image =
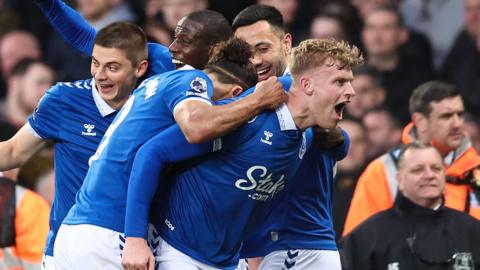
column 167, row 147
column 77, row 32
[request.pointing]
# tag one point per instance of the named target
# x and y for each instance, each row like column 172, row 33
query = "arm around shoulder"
column 201, row 122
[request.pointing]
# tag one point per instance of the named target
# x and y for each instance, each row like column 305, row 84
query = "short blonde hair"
column 312, row 53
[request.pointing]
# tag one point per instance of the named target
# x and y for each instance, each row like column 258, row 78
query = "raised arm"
column 77, row 32
column 201, row 122
column 71, row 26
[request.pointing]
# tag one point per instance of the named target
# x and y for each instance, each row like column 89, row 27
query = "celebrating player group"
column 217, row 152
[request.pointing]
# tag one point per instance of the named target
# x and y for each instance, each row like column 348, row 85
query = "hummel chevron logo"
column 292, row 255
column 89, row 128
column 290, row 261
column 121, row 244
column 268, row 135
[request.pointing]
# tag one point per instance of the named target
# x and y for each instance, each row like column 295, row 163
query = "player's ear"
column 236, row 90
column 287, row 44
column 141, row 69
column 306, row 85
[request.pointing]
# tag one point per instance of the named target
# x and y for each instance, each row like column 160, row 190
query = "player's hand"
column 327, row 138
column 137, row 255
column 270, row 93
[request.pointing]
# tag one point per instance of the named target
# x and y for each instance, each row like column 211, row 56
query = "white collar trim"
column 102, row 105
column 285, row 118
column 186, row 67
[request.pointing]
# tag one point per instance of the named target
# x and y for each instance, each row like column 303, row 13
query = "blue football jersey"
column 303, row 219
column 168, row 147
column 75, row 117
column 217, row 201
column 102, row 198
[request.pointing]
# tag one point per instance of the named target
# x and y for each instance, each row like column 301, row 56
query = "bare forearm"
column 19, row 149
column 9, row 159
column 201, row 123
column 208, row 123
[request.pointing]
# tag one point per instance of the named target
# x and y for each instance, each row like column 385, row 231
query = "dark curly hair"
column 230, row 61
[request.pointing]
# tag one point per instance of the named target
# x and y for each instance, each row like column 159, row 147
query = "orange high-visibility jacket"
column 377, row 186
column 31, row 229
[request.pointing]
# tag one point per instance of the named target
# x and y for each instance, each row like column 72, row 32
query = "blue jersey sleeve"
column 45, row 118
column 159, row 59
column 193, row 84
column 71, row 26
column 339, row 152
column 286, row 82
column 167, row 147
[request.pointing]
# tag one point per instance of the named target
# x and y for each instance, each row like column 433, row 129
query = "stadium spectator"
column 23, row 221
column 382, row 36
column 288, row 9
column 174, row 10
column 463, row 60
column 437, row 117
column 23, row 226
column 157, row 32
column 153, row 9
column 9, row 21
column 369, row 92
column 366, row 6
column 294, row 24
column 428, row 17
column 328, row 26
column 383, row 132
column 346, row 13
column 16, row 46
column 419, row 231
column 27, row 84
column 348, row 171
column 100, row 13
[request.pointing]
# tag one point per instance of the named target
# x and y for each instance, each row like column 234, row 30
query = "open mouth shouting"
column 339, row 109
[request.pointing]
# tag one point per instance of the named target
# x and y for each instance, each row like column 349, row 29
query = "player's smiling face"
column 188, row 47
column 270, row 48
column 330, row 90
column 115, row 76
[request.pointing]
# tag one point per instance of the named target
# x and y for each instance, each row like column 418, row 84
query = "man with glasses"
column 418, row 232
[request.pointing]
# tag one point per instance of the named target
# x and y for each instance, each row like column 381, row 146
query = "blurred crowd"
column 405, row 43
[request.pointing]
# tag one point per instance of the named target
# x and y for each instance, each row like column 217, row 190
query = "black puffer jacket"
column 408, row 237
